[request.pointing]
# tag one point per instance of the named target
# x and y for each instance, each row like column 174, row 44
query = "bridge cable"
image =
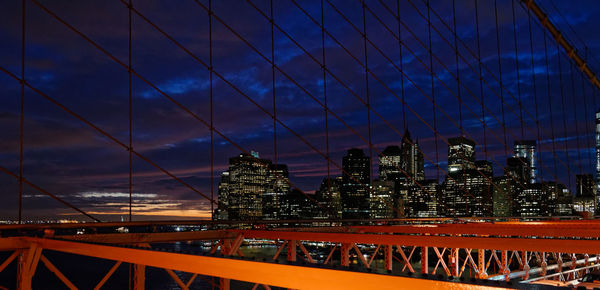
column 401, row 64
column 433, row 103
column 457, row 69
column 485, row 152
column 564, row 115
column 210, row 97
column 534, row 90
column 368, row 97
column 548, row 90
column 573, row 94
column 329, row 193
column 517, row 67
column 499, row 75
column 589, row 132
column 130, row 113
column 22, row 114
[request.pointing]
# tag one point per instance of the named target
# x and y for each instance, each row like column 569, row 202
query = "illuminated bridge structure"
column 448, row 253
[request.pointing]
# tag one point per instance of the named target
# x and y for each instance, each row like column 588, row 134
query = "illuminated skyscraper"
column 527, row 149
column 355, row 185
column 461, row 154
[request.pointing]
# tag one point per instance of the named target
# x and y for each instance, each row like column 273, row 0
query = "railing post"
column 424, row 260
column 525, row 265
column 505, row 267
column 291, row 253
column 345, row 254
column 544, row 264
column 27, row 264
column 388, row 251
column 482, row 273
column 139, row 277
column 453, row 261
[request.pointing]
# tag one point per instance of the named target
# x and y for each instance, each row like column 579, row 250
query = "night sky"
column 72, row 160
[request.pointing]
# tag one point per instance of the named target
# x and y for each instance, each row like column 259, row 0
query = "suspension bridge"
column 307, row 82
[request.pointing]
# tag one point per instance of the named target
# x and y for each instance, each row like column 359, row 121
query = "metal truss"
column 423, row 255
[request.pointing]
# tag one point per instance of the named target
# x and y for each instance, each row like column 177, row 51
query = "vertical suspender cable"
column 368, row 100
column 548, row 89
column 457, row 69
column 273, row 87
column 210, row 79
column 564, row 115
column 22, row 115
column 437, row 157
column 323, row 68
column 533, row 81
column 401, row 63
column 575, row 119
column 587, row 124
column 130, row 118
column 500, row 75
column 485, row 152
column 325, row 99
column 517, row 67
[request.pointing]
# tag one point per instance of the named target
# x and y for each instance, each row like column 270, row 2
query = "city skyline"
column 83, row 167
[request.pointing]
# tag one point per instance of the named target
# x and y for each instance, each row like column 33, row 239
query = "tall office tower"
column 423, row 199
column 381, row 200
column 277, row 186
column 527, row 149
column 597, row 193
column 558, row 201
column 455, row 193
column 243, row 185
column 390, row 165
column 461, row 154
column 403, row 164
column 329, row 198
column 518, row 169
column 532, row 201
column 584, row 196
column 355, row 185
column 503, row 198
column 296, row 205
column 480, row 186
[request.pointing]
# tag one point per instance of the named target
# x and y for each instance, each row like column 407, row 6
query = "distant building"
column 355, row 189
column 559, row 199
column 504, row 196
column 296, row 205
column 461, row 154
column 585, row 194
column 277, row 186
column 252, row 189
column 518, row 169
column 527, row 149
column 329, row 198
column 532, row 201
column 423, row 199
column 381, row 201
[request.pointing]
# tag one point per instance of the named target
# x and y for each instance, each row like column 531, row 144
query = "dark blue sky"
column 72, row 160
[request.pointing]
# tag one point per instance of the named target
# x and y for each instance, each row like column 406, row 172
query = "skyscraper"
column 277, row 186
column 584, row 196
column 597, row 193
column 455, row 194
column 355, row 185
column 461, row 154
column 243, row 185
column 329, row 198
column 403, row 164
column 527, row 149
